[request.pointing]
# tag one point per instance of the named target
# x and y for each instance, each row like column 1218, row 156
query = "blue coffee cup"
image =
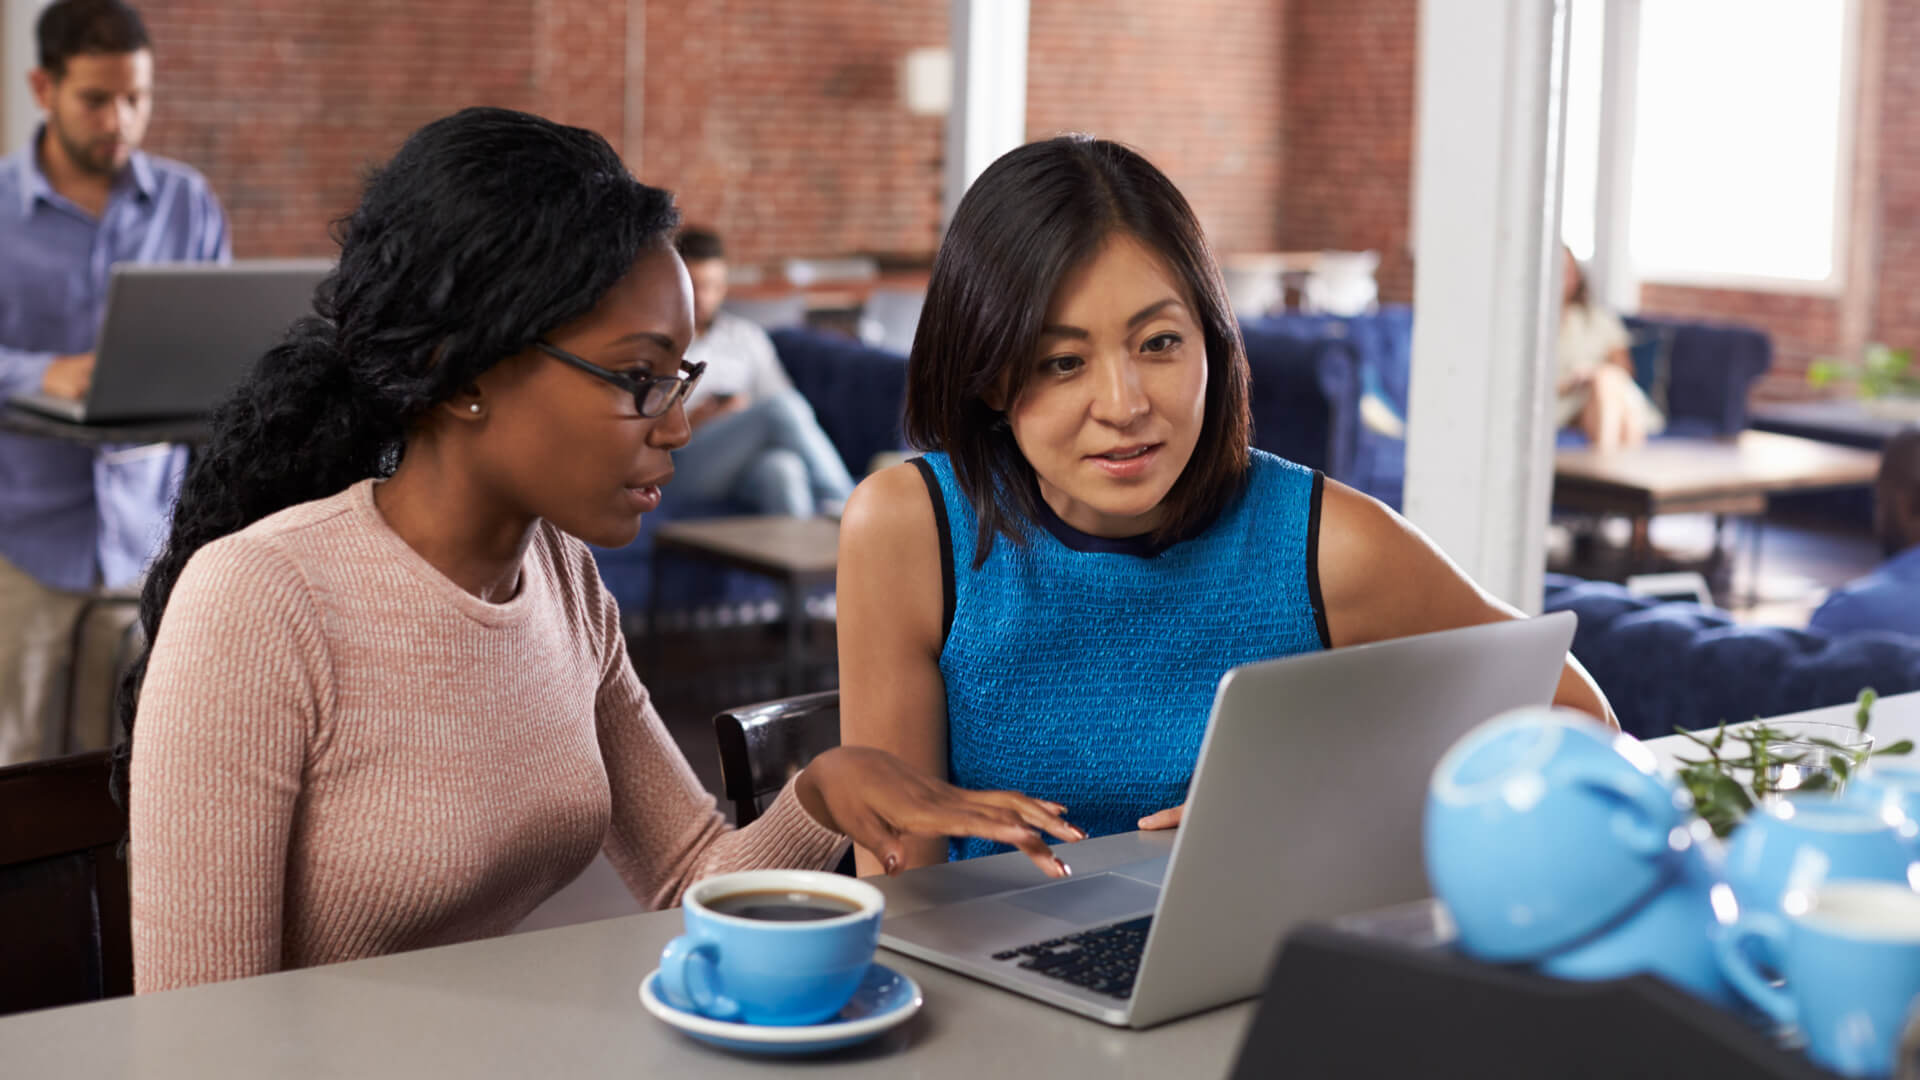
column 1850, row 955
column 1798, row 842
column 1542, row 827
column 1888, row 785
column 777, row 947
column 1673, row 933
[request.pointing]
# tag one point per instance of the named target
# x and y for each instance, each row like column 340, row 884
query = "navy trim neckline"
column 1075, row 540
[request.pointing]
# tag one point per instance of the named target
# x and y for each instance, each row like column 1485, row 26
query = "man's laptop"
column 177, row 336
column 1306, row 804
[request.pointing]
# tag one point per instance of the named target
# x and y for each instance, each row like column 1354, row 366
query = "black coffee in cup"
column 781, row 905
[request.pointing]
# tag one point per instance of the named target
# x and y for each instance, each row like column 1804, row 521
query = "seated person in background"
column 1888, row 598
column 1049, row 597
column 1596, row 391
column 388, row 704
column 755, row 439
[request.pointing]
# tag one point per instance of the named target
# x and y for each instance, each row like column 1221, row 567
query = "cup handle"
column 690, row 977
column 1649, row 799
column 1731, row 950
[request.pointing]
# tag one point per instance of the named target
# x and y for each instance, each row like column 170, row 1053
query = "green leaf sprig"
column 1883, row 371
column 1720, row 798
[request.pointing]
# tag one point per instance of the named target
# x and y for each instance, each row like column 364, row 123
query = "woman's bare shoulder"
column 891, row 508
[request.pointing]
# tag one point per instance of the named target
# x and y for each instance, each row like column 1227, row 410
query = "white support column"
column 1486, row 287
column 989, row 114
column 18, row 56
column 1611, row 282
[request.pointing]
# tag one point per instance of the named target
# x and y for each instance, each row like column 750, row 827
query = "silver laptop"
column 1306, row 804
column 177, row 336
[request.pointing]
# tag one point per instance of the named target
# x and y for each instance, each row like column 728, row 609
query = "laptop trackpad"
column 1087, row 901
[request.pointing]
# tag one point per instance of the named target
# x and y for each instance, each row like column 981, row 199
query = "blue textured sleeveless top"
column 1082, row 669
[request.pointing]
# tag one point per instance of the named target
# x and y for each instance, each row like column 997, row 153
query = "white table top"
column 563, row 1002
column 1894, row 718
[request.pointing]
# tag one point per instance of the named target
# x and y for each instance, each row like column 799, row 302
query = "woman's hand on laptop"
column 68, row 376
column 1164, row 819
column 877, row 800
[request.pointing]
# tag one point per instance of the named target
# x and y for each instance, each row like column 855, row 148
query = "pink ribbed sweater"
column 340, row 753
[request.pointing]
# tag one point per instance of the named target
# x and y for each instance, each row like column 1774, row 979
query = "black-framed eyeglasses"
column 653, row 395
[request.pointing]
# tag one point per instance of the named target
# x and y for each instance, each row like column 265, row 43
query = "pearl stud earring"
column 473, row 408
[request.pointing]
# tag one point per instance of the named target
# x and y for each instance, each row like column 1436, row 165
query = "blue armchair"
column 1304, row 398
column 1709, row 368
column 1380, row 347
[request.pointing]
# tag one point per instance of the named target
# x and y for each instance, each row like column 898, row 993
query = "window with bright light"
column 1743, row 111
column 1582, row 166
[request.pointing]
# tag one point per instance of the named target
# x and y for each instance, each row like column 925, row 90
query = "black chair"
column 762, row 746
column 66, row 932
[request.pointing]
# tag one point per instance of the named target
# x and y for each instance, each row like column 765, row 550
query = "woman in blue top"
column 1046, row 602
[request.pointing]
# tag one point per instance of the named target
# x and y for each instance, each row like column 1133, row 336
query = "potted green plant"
column 1749, row 765
column 1885, row 379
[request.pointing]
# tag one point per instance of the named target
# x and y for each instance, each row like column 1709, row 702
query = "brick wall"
column 1196, row 86
column 1896, row 297
column 284, row 104
column 1350, row 82
column 780, row 124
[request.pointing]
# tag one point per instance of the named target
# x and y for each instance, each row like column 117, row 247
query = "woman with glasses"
column 388, row 704
column 1049, row 597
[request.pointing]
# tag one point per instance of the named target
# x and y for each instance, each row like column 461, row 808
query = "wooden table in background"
column 797, row 552
column 1723, row 477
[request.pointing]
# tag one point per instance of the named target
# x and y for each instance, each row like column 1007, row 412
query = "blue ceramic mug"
column 1672, row 934
column 1888, row 785
column 1798, row 842
column 1542, row 827
column 1850, row 954
column 778, row 947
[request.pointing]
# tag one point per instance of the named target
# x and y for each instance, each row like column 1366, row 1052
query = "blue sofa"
column 1665, row 665
column 1710, row 367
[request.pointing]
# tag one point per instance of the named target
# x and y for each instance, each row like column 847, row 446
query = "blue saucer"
column 884, row 1000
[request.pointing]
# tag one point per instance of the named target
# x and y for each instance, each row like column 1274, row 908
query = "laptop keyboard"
column 1104, row 961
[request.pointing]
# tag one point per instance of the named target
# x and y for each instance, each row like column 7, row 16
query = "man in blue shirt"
column 79, row 197
column 1888, row 598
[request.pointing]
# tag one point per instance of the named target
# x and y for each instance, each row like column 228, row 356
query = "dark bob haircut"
column 1024, row 225
column 70, row 28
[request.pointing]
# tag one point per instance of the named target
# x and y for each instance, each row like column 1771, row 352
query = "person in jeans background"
column 755, row 439
column 77, row 198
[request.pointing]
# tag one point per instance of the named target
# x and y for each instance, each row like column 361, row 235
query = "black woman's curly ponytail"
column 487, row 229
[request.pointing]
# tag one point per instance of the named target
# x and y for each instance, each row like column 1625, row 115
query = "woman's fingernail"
column 1078, row 832
column 891, row 862
column 1065, row 870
